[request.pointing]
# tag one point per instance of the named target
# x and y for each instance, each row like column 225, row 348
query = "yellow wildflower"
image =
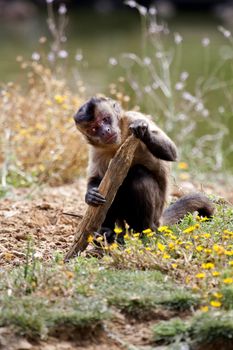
column 204, row 219
column 59, row 99
column 230, row 262
column 128, row 250
column 207, row 266
column 191, row 228
column 199, row 248
column 151, row 234
column 215, row 303
column 218, row 249
column 148, row 230
column 206, row 235
column 136, row 235
column 218, row 295
column 113, row 246
column 208, row 251
column 200, row 275
column 99, row 239
column 117, row 230
column 215, row 273
column 228, row 280
column 160, row 246
column 184, row 176
column 166, row 256
column 69, row 274
column 90, row 239
column 174, row 266
column 204, row 308
column 228, row 232
column 148, row 248
column 162, row 228
column 183, row 165
column 126, row 236
column 228, row 252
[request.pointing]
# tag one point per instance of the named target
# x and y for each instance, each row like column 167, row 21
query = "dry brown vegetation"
column 38, row 138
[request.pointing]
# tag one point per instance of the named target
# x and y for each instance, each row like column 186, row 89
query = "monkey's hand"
column 140, row 129
column 94, row 198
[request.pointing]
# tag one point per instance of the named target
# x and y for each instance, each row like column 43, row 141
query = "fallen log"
column 113, row 178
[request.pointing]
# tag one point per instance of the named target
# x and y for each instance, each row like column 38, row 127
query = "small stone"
column 23, row 344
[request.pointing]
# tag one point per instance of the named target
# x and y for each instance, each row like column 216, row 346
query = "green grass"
column 200, row 330
column 82, row 294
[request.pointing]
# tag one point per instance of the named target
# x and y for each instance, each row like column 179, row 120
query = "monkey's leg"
column 140, row 200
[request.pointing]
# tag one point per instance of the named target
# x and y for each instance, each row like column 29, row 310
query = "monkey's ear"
column 117, row 108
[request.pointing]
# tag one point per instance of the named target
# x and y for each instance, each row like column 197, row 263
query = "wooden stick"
column 113, row 178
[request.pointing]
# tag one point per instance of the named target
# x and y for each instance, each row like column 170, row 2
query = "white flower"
column 152, row 11
column 184, row 76
column 142, row 10
column 79, row 56
column 221, row 109
column 112, row 61
column 147, row 61
column 35, row 56
column 63, row 54
column 188, row 97
column 205, row 42
column 62, row 9
column 199, row 107
column 205, row 113
column 131, row 3
column 178, row 38
column 159, row 54
column 181, row 116
column 179, row 86
column 224, row 31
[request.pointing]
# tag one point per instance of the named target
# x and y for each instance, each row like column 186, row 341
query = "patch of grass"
column 132, row 291
column 82, row 294
column 204, row 329
column 36, row 316
column 167, row 331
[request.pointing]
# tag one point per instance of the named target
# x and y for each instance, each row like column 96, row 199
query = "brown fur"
column 143, row 195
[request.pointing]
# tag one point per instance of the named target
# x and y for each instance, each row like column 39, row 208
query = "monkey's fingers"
column 139, row 128
column 93, row 197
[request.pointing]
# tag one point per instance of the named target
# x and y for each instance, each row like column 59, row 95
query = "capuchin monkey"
column 140, row 201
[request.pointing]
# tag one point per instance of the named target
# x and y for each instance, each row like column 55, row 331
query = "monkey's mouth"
column 112, row 138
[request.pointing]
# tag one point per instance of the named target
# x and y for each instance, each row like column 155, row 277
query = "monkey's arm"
column 158, row 143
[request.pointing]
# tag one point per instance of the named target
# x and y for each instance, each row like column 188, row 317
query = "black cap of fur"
column 86, row 112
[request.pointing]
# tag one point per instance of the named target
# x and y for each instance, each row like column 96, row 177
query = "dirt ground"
column 39, row 214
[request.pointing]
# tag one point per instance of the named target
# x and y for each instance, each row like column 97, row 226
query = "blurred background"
column 170, row 58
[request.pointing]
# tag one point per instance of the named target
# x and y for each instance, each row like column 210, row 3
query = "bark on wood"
column 114, row 176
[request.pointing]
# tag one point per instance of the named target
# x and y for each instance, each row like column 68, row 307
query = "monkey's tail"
column 187, row 204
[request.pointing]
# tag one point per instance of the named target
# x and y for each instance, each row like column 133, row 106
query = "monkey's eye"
column 107, row 119
column 93, row 130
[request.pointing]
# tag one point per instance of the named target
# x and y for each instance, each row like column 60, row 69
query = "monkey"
column 141, row 199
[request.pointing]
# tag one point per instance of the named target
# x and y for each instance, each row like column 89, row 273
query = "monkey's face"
column 98, row 120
